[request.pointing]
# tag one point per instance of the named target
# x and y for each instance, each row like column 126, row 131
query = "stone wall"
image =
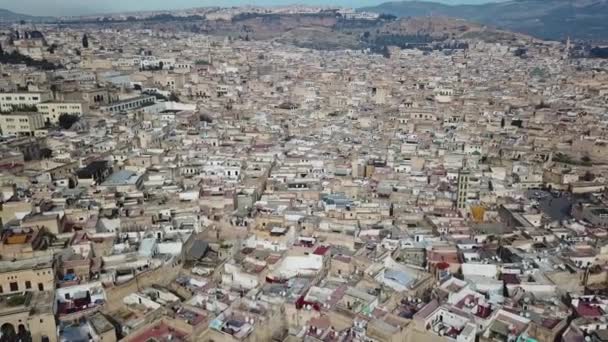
column 160, row 276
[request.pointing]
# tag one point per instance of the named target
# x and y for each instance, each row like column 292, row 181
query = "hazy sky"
column 80, row 7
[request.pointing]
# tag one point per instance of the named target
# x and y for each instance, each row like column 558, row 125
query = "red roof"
column 443, row 265
column 509, row 278
column 586, row 310
column 160, row 331
column 321, row 250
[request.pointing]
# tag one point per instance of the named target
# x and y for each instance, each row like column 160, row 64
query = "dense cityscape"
column 192, row 176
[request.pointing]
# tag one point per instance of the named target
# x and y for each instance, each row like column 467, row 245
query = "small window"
column 28, row 284
column 40, row 287
column 14, row 286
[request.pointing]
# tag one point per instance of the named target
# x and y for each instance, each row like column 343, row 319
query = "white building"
column 21, row 123
column 53, row 110
column 10, row 100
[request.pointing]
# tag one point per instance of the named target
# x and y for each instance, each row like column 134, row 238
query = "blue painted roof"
column 398, row 276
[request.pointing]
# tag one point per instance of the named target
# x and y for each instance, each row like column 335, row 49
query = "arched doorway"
column 23, row 335
column 7, row 333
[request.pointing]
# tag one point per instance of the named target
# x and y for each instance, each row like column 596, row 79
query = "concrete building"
column 28, row 314
column 129, row 104
column 21, row 123
column 10, row 100
column 463, row 188
column 36, row 274
column 53, row 110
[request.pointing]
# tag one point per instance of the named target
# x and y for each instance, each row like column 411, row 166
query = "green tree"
column 173, row 97
column 588, row 177
column 205, row 118
column 66, row 121
column 585, row 160
column 85, row 41
column 385, row 52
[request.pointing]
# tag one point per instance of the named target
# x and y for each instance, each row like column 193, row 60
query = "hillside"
column 328, row 32
column 10, row 16
column 547, row 19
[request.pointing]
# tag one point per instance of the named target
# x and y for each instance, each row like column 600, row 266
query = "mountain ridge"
column 10, row 16
column 546, row 19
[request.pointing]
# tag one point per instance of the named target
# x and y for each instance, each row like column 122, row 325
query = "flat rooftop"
column 122, row 177
column 26, row 264
column 33, row 302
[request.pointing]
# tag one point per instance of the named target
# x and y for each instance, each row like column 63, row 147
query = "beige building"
column 101, row 328
column 34, row 274
column 28, row 312
column 21, row 123
column 53, row 110
column 53, row 223
column 14, row 210
column 10, row 100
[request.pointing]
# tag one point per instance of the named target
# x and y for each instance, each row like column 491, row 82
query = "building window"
column 14, row 286
column 28, row 285
column 40, row 287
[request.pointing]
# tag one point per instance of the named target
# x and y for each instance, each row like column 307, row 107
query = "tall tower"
column 568, row 47
column 463, row 188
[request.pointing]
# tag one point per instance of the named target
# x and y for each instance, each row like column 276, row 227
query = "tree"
column 52, row 48
column 161, row 65
column 85, row 41
column 173, row 97
column 385, row 52
column 54, row 89
column 16, row 58
column 502, row 123
column 205, row 118
column 386, row 16
column 46, row 153
column 66, row 121
column 588, row 177
column 1, row 50
column 585, row 160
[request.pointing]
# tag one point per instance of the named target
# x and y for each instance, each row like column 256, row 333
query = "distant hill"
column 547, row 19
column 10, row 16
